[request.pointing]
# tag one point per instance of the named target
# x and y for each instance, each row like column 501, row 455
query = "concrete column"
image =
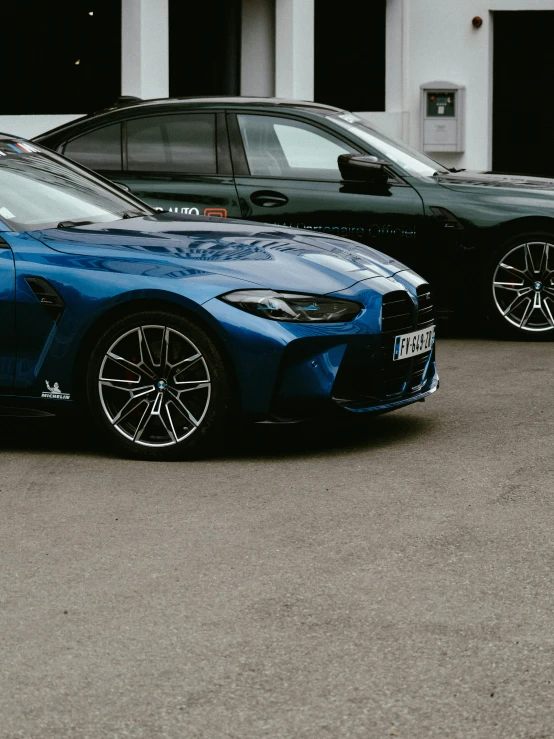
column 397, row 80
column 294, row 49
column 258, row 48
column 145, row 48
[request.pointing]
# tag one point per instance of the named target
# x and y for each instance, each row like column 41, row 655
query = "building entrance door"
column 522, row 92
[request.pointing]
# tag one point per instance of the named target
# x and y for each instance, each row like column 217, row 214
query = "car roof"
column 217, row 100
column 136, row 104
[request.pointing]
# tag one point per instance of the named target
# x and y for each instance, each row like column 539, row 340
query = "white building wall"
column 28, row 126
column 145, row 48
column 434, row 40
column 294, row 49
column 258, row 48
column 426, row 40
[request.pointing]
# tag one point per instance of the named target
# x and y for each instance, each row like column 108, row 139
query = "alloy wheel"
column 154, row 386
column 523, row 286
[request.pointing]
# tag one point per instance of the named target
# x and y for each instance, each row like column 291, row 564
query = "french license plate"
column 416, row 342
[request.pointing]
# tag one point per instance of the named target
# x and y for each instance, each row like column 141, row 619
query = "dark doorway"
column 523, row 107
column 62, row 56
column 349, row 54
column 204, row 47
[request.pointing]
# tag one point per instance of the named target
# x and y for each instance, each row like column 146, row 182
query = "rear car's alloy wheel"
column 523, row 287
column 156, row 384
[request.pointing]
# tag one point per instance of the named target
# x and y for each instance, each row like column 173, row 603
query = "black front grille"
column 398, row 317
column 401, row 315
column 397, row 313
column 425, row 310
column 381, row 380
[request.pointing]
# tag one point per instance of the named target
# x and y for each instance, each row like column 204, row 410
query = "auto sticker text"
column 192, row 211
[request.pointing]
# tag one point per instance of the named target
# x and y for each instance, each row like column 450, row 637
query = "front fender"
column 90, row 287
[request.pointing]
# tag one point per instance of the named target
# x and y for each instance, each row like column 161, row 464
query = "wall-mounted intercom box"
column 442, row 117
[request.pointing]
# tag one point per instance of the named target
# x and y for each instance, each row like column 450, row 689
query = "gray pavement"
column 372, row 580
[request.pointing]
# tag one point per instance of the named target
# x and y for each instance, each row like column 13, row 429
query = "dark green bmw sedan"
column 485, row 241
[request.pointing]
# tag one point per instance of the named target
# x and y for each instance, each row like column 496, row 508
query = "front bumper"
column 288, row 371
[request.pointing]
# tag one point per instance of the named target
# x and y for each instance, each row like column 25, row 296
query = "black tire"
column 513, row 310
column 137, row 401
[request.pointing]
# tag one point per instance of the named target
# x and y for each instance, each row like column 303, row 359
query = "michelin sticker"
column 54, row 392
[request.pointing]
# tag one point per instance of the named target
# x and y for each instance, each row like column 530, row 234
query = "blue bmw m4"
column 159, row 326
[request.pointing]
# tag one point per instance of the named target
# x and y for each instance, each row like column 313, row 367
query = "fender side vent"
column 446, row 218
column 47, row 297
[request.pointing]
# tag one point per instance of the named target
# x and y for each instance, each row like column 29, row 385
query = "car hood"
column 461, row 181
column 277, row 258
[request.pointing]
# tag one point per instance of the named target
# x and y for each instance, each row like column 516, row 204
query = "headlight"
column 293, row 306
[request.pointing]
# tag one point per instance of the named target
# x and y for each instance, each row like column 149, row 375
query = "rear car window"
column 172, row 143
column 98, row 149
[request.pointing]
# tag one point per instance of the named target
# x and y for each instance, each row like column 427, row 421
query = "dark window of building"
column 204, row 47
column 65, row 55
column 522, row 80
column 99, row 149
column 172, row 143
column 349, row 55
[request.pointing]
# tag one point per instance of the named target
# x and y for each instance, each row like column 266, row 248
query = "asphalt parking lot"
column 392, row 578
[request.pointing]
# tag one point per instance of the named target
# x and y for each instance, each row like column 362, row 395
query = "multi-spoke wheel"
column 523, row 287
column 157, row 384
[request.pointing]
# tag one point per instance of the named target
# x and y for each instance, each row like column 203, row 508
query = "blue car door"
column 7, row 318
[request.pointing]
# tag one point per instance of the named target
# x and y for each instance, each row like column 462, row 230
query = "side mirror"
column 362, row 168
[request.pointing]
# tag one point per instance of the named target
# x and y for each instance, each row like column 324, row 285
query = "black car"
column 485, row 241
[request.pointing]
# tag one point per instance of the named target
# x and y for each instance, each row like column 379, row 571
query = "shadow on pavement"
column 321, row 436
column 325, row 436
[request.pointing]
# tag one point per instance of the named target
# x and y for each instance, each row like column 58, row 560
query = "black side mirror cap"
column 363, row 168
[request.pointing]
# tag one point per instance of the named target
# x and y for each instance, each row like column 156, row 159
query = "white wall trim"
column 294, row 49
column 145, row 48
column 258, row 48
column 29, row 126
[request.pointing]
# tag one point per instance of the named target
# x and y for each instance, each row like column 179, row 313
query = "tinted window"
column 279, row 147
column 172, row 143
column 99, row 149
column 412, row 161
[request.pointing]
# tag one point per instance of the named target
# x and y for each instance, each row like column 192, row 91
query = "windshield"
column 408, row 159
column 41, row 190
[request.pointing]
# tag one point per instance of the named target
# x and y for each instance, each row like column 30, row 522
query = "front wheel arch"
column 135, row 380
column 495, row 300
column 140, row 305
column 522, row 226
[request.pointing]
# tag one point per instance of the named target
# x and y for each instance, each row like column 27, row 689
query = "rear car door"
column 7, row 317
column 179, row 161
column 286, row 172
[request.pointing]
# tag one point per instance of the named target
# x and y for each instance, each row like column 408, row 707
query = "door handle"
column 268, row 198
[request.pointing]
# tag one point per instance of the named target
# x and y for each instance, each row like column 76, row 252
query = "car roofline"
column 5, row 136
column 131, row 103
